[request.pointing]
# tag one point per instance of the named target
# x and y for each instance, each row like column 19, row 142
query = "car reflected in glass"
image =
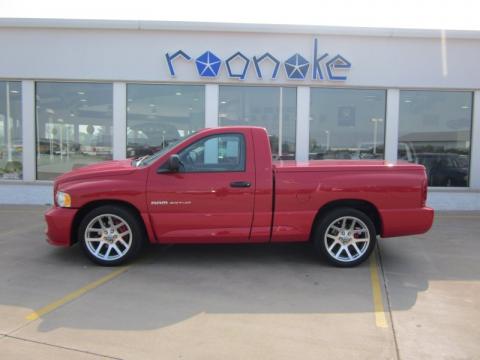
column 448, row 169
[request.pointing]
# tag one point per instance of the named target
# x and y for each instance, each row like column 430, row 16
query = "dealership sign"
column 296, row 66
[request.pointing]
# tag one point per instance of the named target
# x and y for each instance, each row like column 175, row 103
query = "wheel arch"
column 85, row 209
column 362, row 205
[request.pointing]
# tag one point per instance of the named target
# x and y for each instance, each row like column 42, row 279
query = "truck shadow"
column 168, row 285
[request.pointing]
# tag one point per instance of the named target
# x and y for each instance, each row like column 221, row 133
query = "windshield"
column 147, row 160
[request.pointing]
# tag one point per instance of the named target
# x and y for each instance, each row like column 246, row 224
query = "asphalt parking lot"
column 418, row 298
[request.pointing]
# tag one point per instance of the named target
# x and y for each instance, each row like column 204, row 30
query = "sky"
column 419, row 14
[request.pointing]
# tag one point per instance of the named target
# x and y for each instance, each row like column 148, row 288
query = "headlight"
column 63, row 199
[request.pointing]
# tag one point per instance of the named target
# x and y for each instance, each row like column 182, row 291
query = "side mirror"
column 174, row 163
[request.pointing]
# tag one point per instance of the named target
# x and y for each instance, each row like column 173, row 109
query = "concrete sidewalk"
column 240, row 301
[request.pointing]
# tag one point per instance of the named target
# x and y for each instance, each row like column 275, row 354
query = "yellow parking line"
column 380, row 318
column 74, row 294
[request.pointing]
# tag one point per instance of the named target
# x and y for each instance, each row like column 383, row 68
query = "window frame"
column 36, row 85
column 130, row 85
column 369, row 88
column 280, row 109
column 471, row 137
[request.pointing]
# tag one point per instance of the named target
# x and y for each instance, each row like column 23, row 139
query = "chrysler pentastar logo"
column 208, row 64
column 296, row 67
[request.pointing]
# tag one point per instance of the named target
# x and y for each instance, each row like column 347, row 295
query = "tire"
column 338, row 246
column 118, row 243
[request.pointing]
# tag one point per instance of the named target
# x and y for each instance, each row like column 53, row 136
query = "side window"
column 217, row 153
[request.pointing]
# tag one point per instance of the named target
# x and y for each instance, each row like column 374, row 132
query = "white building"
column 73, row 92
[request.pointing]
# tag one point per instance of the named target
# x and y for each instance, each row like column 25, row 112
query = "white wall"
column 26, row 194
column 132, row 55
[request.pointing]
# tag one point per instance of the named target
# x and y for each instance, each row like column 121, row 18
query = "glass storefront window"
column 434, row 130
column 158, row 115
column 74, row 126
column 274, row 108
column 10, row 130
column 347, row 123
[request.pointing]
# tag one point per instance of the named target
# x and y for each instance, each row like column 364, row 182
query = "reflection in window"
column 434, row 130
column 10, row 130
column 74, row 126
column 274, row 108
column 218, row 153
column 347, row 124
column 158, row 115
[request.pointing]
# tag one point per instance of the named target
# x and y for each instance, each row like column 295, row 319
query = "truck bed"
column 397, row 191
column 341, row 165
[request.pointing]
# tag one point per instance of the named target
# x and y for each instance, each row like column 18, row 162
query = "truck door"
column 211, row 198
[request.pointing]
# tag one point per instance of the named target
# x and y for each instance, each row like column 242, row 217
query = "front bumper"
column 59, row 224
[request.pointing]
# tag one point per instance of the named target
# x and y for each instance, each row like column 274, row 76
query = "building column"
column 475, row 144
column 28, row 130
column 119, row 121
column 303, row 123
column 391, row 125
column 211, row 105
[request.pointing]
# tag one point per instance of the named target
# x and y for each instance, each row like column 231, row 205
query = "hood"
column 107, row 168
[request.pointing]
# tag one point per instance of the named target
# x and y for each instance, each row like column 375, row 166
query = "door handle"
column 240, row 184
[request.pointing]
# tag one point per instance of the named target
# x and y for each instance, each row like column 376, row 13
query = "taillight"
column 424, row 190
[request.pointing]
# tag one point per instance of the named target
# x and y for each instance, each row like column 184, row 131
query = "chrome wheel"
column 347, row 239
column 108, row 237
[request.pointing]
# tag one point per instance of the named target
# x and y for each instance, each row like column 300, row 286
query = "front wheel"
column 110, row 235
column 345, row 237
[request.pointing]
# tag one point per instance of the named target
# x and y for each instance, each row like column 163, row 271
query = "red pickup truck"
column 220, row 186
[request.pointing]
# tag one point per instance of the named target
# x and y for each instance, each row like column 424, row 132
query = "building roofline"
column 233, row 27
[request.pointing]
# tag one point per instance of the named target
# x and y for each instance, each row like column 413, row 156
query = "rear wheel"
column 110, row 235
column 345, row 237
